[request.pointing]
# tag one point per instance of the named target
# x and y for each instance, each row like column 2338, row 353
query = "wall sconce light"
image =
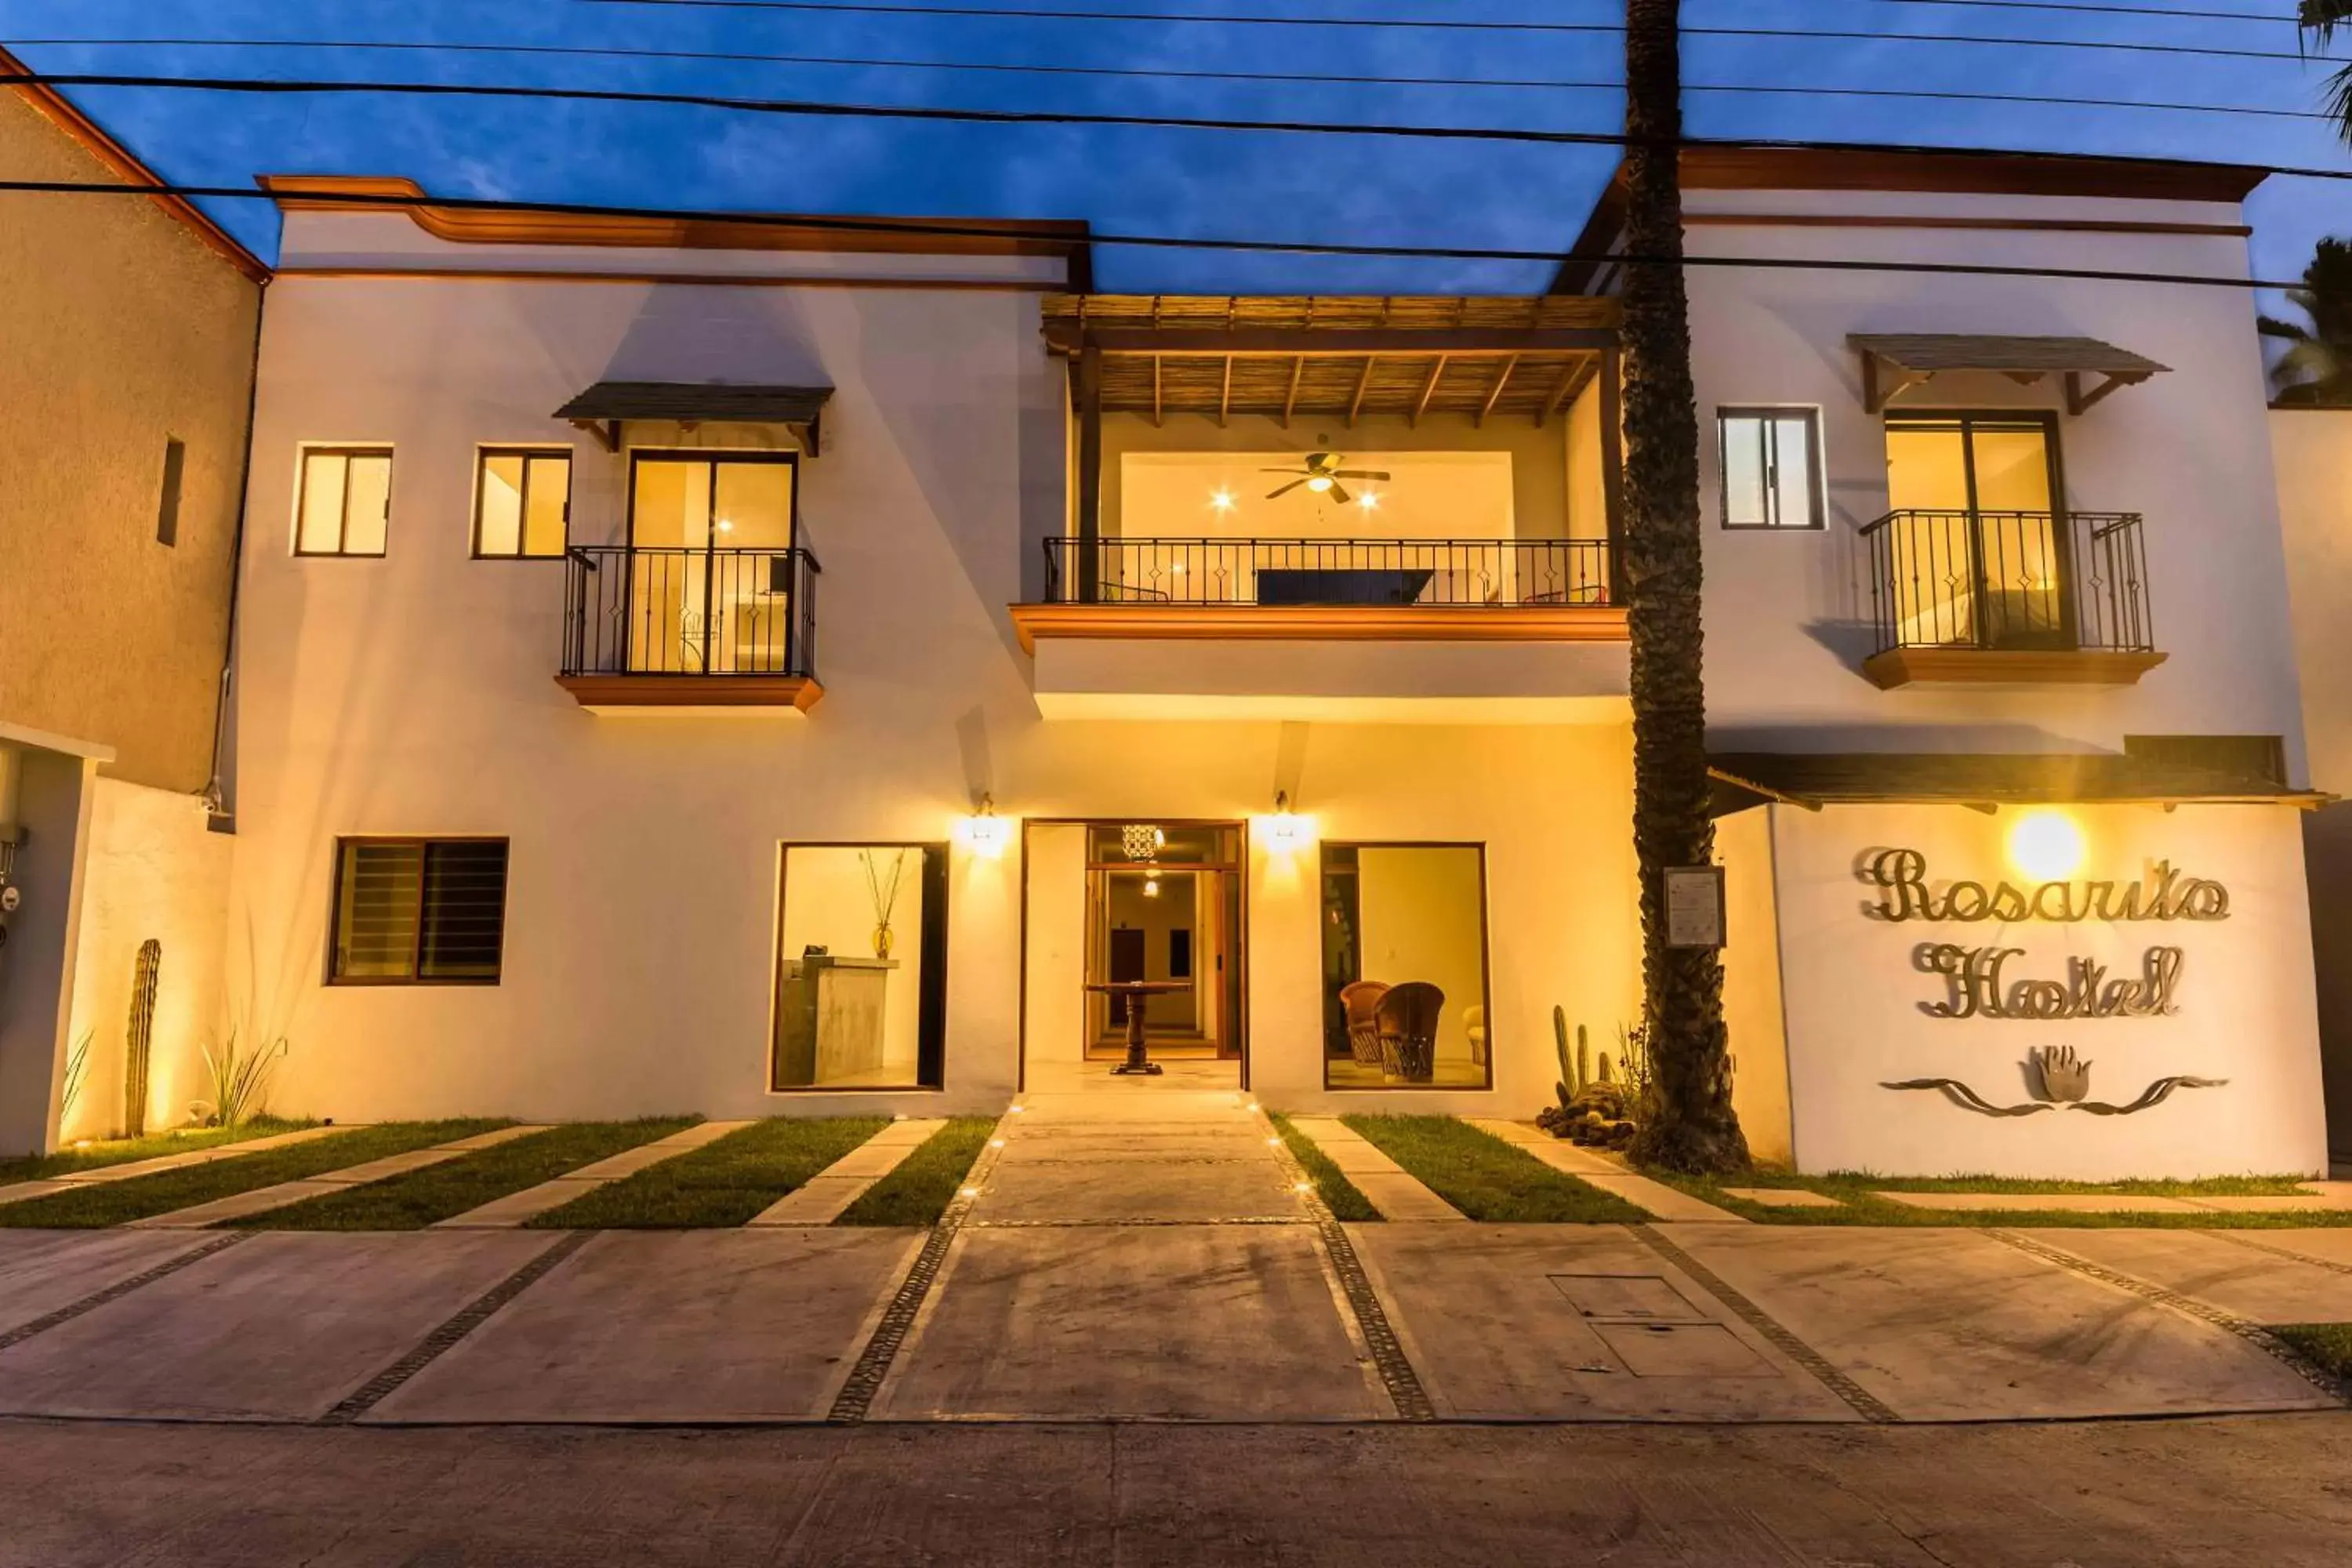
column 2047, row 846
column 1282, row 829
column 987, row 833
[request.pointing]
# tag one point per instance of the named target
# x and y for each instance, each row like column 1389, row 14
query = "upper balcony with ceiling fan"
column 1385, row 509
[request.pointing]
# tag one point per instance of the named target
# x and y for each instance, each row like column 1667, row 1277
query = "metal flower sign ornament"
column 2057, row 1080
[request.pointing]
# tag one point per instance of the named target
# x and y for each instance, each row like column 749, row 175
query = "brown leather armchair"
column 1407, row 1020
column 1360, row 1001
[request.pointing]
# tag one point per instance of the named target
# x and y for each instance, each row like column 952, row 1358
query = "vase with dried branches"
column 883, row 889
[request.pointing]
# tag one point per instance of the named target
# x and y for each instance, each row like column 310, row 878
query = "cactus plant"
column 1567, row 1086
column 138, row 1042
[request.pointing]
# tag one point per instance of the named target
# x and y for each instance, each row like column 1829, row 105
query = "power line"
column 982, row 230
column 1170, row 73
column 925, row 113
column 1453, row 24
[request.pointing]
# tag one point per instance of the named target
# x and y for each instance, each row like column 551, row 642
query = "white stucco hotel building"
column 752, row 669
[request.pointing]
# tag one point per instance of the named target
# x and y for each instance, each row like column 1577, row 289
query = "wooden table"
column 1138, row 1060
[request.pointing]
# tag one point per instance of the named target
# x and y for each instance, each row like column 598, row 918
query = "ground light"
column 2046, row 846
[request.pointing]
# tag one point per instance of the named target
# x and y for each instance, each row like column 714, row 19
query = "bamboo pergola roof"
column 1335, row 356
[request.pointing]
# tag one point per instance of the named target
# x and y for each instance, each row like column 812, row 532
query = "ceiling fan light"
column 1319, row 483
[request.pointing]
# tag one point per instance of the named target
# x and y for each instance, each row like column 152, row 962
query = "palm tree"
column 2316, row 21
column 1690, row 1125
column 2317, row 369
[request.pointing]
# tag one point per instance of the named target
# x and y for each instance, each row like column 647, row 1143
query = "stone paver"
column 261, row 1200
column 1784, row 1197
column 1168, row 1321
column 1575, row 1322
column 1396, row 1192
column 824, row 1196
column 2026, row 1203
column 520, row 1208
column 706, row 1326
column 2255, row 1284
column 17, row 1191
column 2332, row 1245
column 42, row 1270
column 1660, row 1200
column 1956, row 1325
column 281, row 1325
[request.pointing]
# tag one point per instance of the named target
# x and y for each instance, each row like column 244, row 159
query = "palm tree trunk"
column 1691, row 1126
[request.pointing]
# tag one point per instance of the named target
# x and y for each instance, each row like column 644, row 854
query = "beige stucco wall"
column 1752, row 1008
column 121, row 328
column 154, row 870
column 2313, row 450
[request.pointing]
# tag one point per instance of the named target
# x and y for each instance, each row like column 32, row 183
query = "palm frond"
column 2316, row 20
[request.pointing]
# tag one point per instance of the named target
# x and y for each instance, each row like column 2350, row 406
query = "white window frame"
column 1816, row 486
column 347, row 450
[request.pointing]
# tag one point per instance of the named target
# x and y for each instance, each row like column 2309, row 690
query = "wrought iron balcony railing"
column 2072, row 582
column 640, row 610
column 1470, row 574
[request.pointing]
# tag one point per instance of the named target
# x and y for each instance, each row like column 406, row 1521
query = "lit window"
column 1404, row 966
column 1770, row 459
column 523, row 504
column 346, row 500
column 861, row 973
column 419, row 912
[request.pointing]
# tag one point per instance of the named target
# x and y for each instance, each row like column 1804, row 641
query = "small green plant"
column 240, row 1081
column 76, row 1074
column 1634, row 1060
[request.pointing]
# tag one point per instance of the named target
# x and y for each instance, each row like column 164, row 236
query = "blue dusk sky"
column 1271, row 186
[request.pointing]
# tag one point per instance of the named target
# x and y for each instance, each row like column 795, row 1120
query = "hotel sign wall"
column 1980, row 983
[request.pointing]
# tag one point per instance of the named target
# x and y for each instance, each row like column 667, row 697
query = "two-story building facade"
column 790, row 665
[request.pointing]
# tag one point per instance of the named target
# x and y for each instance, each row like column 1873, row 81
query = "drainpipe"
column 214, row 795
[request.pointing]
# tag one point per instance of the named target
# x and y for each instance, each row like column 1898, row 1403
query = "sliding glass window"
column 1404, row 966
column 861, row 967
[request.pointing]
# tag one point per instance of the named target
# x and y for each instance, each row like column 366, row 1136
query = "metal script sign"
column 1979, row 986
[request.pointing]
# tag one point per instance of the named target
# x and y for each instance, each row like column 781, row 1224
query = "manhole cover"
column 1626, row 1299
column 1682, row 1349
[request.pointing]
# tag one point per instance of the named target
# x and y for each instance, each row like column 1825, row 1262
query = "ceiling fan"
column 1322, row 473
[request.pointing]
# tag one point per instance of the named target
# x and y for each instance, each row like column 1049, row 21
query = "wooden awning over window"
column 1984, row 780
column 1334, row 357
column 604, row 408
column 1891, row 361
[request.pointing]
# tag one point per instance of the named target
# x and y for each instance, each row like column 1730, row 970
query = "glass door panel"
column 1977, row 552
column 700, row 602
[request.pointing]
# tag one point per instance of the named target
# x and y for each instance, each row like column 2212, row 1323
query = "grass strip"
column 724, row 1182
column 451, row 1188
column 2325, row 1345
column 1859, row 1204
column 1485, row 1177
column 1338, row 1194
column 924, row 1183
column 123, row 1151
column 141, row 1197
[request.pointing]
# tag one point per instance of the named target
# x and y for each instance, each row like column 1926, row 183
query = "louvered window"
column 419, row 909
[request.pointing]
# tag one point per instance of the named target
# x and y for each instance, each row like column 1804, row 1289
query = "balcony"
column 1373, row 630
column 2008, row 598
column 686, row 630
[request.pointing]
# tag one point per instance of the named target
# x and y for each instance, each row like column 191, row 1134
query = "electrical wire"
column 1283, row 77
column 1451, row 24
column 947, row 229
column 923, row 113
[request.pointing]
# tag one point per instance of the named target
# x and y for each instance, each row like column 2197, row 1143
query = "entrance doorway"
column 1156, row 905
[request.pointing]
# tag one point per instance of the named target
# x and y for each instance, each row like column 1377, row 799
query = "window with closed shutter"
column 419, row 911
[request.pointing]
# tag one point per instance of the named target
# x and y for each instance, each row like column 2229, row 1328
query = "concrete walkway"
column 825, row 1196
column 520, row 1208
column 261, row 1200
column 18, row 1190
column 1659, row 1200
column 1149, row 1251
column 1396, row 1192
